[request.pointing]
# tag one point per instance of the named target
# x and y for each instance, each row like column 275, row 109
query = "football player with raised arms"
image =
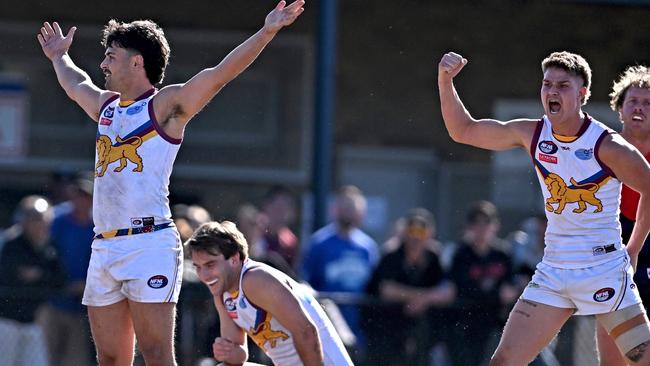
column 580, row 164
column 135, row 269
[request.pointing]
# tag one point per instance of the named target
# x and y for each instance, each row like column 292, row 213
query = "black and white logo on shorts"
column 141, row 221
column 604, row 294
column 157, row 281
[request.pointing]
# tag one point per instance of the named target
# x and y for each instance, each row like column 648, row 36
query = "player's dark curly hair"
column 636, row 76
column 218, row 238
column 573, row 64
column 144, row 37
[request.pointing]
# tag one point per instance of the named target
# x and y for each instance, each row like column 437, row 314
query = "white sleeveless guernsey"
column 581, row 196
column 133, row 162
column 276, row 340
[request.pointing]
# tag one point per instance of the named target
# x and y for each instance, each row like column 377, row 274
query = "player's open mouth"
column 554, row 106
column 637, row 117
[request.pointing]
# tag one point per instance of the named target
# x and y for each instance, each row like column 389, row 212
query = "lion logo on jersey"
column 263, row 334
column 562, row 194
column 107, row 153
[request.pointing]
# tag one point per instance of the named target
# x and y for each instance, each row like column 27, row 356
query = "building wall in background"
column 257, row 132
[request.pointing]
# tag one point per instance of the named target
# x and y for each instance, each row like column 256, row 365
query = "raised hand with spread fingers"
column 52, row 40
column 283, row 15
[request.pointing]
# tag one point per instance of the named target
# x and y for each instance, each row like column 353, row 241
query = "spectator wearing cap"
column 64, row 319
column 410, row 282
column 484, row 279
column 29, row 272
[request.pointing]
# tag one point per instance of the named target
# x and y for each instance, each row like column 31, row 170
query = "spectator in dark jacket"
column 484, row 280
column 30, row 272
column 411, row 284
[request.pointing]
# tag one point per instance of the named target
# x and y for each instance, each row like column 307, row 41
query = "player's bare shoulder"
column 257, row 276
column 614, row 147
column 169, row 112
column 166, row 105
column 260, row 281
column 525, row 128
column 523, row 125
column 496, row 135
column 101, row 100
column 626, row 162
column 104, row 97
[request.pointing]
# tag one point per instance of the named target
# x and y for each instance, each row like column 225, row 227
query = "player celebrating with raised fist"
column 580, row 164
column 135, row 269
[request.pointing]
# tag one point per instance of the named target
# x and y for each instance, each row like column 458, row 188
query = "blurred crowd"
column 409, row 300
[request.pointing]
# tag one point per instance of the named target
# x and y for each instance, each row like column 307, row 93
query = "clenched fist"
column 450, row 65
column 222, row 348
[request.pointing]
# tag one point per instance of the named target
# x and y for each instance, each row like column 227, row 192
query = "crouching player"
column 280, row 315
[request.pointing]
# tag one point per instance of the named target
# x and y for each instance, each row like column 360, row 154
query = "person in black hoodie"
column 30, row 273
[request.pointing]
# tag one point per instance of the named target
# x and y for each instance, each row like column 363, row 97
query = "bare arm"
column 273, row 296
column 631, row 168
column 75, row 81
column 416, row 300
column 230, row 347
column 437, row 295
column 394, row 291
column 485, row 133
column 179, row 103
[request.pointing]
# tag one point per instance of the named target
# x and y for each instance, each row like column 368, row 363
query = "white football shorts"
column 143, row 268
column 599, row 289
